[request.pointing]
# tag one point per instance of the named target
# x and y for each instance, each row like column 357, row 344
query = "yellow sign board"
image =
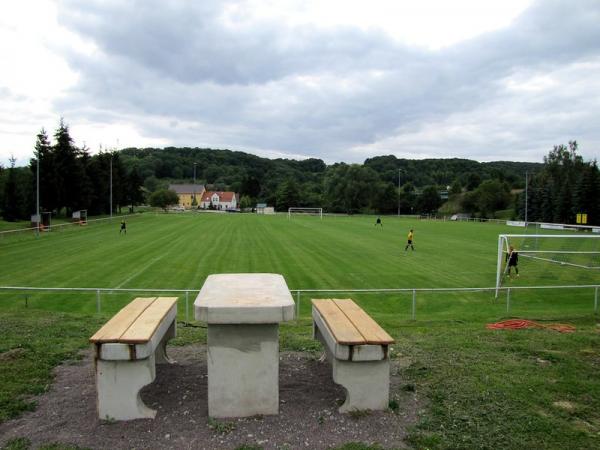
column 582, row 218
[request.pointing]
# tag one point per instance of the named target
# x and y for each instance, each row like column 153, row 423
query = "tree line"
column 564, row 187
column 72, row 179
column 371, row 187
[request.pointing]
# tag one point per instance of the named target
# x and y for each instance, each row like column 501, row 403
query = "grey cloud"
column 176, row 60
column 187, row 42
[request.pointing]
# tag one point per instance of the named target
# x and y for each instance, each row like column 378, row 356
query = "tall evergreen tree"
column 44, row 155
column 69, row 171
column 87, row 187
column 135, row 183
column 587, row 194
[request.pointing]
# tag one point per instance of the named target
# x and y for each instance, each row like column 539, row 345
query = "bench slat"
column 143, row 328
column 366, row 326
column 342, row 329
column 115, row 327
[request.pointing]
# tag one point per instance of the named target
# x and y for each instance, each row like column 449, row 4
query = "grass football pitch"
column 178, row 251
column 477, row 388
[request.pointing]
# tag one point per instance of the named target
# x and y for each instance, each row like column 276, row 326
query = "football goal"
column 545, row 252
column 306, row 212
column 80, row 217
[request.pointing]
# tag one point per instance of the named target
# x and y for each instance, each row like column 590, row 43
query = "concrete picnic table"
column 243, row 312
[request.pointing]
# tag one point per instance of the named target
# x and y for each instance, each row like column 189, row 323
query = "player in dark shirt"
column 512, row 259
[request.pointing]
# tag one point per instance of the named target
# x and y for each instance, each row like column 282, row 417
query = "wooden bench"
column 126, row 350
column 358, row 349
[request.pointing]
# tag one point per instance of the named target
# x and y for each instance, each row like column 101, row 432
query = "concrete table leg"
column 243, row 370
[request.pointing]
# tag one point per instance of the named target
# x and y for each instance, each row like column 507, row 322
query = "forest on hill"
column 71, row 179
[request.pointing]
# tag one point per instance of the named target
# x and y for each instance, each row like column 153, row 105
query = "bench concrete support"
column 367, row 384
column 126, row 351
column 160, row 353
column 243, row 370
column 118, row 386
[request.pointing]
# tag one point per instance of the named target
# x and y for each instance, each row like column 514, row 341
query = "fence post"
column 414, row 304
column 98, row 305
column 596, row 301
column 297, row 306
column 187, row 299
column 507, row 300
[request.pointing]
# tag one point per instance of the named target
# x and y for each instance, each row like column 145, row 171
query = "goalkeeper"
column 512, row 258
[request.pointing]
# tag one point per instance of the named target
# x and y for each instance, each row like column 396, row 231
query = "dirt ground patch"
column 307, row 419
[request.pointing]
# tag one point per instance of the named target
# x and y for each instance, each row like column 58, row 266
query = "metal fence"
column 64, row 225
column 297, row 293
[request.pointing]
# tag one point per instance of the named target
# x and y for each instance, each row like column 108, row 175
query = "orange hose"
column 517, row 324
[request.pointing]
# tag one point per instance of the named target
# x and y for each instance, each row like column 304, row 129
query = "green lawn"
column 484, row 389
column 178, row 251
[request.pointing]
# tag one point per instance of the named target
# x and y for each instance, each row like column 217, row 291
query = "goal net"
column 574, row 258
column 80, row 217
column 306, row 212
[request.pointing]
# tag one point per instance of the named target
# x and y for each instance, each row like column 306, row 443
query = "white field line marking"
column 135, row 274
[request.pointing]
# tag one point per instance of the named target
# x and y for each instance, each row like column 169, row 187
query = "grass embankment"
column 482, row 389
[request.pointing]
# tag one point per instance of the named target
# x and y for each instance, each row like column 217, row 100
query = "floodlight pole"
column 195, row 185
column 526, row 182
column 37, row 194
column 399, row 171
column 111, row 208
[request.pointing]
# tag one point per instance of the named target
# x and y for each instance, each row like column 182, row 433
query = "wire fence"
column 298, row 293
column 63, row 226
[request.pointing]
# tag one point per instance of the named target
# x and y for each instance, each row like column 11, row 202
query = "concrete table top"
column 244, row 298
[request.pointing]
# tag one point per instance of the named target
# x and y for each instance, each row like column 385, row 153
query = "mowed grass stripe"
column 178, row 251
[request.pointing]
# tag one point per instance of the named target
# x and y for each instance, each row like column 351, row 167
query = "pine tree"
column 87, row 188
column 48, row 183
column 135, row 195
column 69, row 173
column 587, row 193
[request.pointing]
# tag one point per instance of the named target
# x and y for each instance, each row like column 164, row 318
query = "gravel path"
column 308, row 416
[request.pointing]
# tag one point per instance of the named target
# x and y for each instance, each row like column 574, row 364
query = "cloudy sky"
column 340, row 80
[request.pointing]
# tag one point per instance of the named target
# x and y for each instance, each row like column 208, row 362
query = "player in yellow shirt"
column 410, row 241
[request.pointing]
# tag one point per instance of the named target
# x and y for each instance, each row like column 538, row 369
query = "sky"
column 340, row 80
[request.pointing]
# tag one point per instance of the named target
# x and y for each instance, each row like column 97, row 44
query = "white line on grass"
column 143, row 269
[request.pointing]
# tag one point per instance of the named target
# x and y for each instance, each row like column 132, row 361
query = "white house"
column 219, row 200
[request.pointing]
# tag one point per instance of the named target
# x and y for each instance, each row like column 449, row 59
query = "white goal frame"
column 80, row 216
column 298, row 210
column 503, row 245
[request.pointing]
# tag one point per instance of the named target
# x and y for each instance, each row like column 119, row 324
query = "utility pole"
column 194, row 200
column 111, row 208
column 526, row 183
column 399, row 170
column 37, row 195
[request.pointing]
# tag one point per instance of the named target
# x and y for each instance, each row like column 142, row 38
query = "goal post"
column 80, row 217
column 305, row 211
column 579, row 251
